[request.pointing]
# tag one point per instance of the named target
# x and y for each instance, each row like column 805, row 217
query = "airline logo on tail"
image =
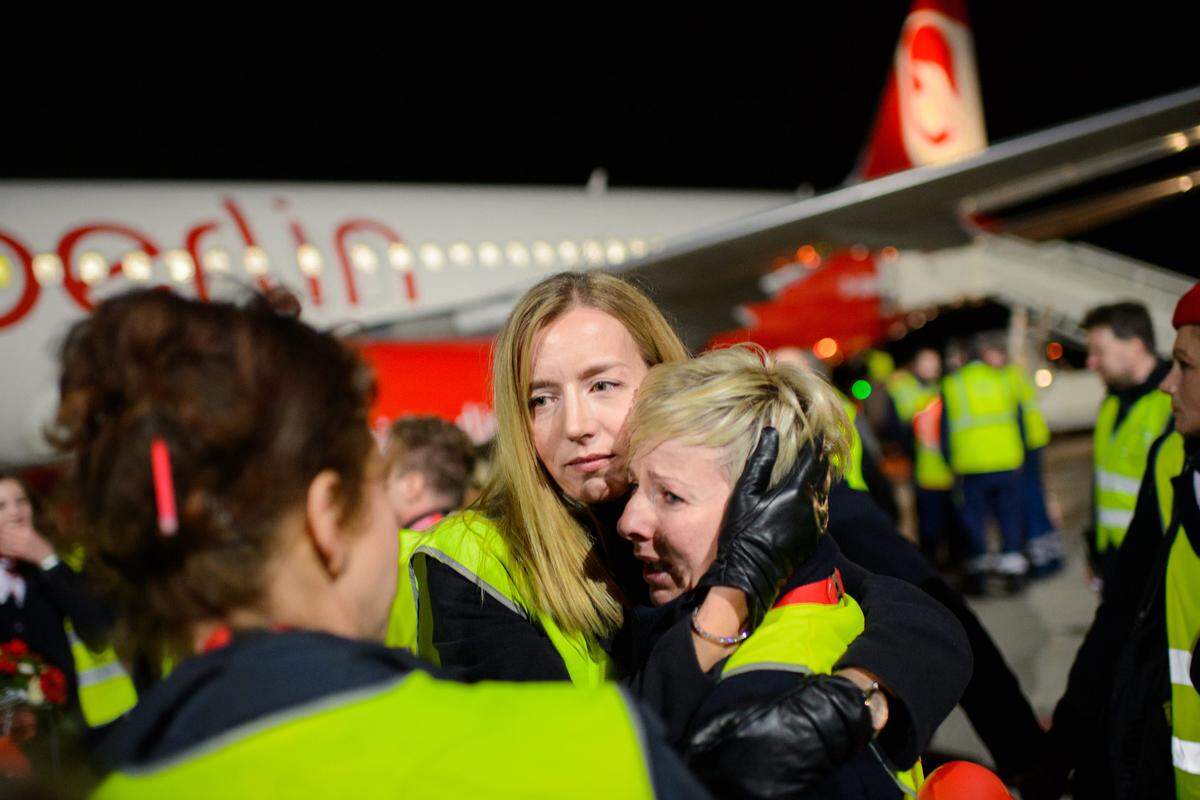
column 931, row 111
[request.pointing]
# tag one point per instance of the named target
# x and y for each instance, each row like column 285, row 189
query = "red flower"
column 54, row 686
column 14, row 648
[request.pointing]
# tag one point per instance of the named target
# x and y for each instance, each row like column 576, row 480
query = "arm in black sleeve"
column 917, row 649
column 1078, row 729
column 478, row 639
column 89, row 616
column 668, row 775
column 655, row 647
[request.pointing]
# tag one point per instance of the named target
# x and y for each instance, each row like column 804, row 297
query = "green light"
column 861, row 389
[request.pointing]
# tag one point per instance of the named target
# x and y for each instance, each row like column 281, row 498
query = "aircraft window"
column 568, row 252
column 364, row 258
column 137, row 266
column 615, row 251
column 216, row 260
column 401, row 256
column 48, row 269
column 309, row 259
column 543, row 253
column 518, row 254
column 179, row 264
column 92, row 267
column 256, row 261
column 489, row 254
column 637, row 248
column 460, row 254
column 593, row 253
column 432, row 256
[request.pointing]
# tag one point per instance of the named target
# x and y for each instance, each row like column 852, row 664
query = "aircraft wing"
column 699, row 279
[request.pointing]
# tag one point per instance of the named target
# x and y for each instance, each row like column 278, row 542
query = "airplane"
column 424, row 274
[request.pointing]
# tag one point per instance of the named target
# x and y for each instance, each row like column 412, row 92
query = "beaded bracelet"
column 726, row 641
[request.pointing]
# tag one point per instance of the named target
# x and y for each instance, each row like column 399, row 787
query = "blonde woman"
column 690, row 432
column 535, row 583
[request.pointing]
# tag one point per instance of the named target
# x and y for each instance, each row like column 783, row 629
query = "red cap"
column 1187, row 310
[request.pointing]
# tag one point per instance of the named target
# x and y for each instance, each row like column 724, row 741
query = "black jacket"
column 224, row 693
column 993, row 700
column 1109, row 726
column 908, row 639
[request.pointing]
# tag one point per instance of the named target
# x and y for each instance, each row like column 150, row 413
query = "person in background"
column 1042, row 543
column 1135, row 412
column 44, row 602
column 430, row 464
column 938, row 529
column 984, row 445
column 1128, row 725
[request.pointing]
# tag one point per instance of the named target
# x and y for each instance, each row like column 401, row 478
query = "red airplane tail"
column 931, row 111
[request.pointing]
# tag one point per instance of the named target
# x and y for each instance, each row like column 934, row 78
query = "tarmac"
column 1040, row 630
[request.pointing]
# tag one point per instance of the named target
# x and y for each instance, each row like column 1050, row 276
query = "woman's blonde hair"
column 724, row 398
column 550, row 547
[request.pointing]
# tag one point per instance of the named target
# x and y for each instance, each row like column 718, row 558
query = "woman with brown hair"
column 231, row 492
column 536, row 584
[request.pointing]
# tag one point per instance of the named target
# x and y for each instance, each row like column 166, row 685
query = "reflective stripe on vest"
column 1120, row 461
column 402, row 621
column 930, row 468
column 806, row 638
column 417, row 737
column 1037, row 432
column 854, row 472
column 471, row 545
column 105, row 688
column 982, row 414
column 1183, row 628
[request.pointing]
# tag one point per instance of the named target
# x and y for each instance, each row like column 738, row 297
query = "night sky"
column 730, row 98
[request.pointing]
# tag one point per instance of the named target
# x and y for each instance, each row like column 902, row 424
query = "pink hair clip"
column 164, row 487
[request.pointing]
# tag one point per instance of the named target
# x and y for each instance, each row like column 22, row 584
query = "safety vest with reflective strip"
column 1037, row 432
column 1120, row 461
column 105, row 689
column 471, row 545
column 854, row 470
column 1182, row 600
column 905, row 391
column 930, row 468
column 417, row 737
column 981, row 410
column 402, row 622
column 808, row 638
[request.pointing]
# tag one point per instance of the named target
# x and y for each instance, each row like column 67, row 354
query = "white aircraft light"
column 432, row 256
column 364, row 259
column 92, row 267
column 460, row 254
column 400, row 256
column 568, row 253
column 1186, row 183
column 216, row 260
column 1043, row 378
column 256, row 261
column 180, row 265
column 638, row 248
column 1178, row 142
column 517, row 253
column 309, row 259
column 543, row 253
column 490, row 255
column 137, row 266
column 593, row 253
column 615, row 251
column 47, row 268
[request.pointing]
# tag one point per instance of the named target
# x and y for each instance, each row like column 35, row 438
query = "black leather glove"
column 767, row 534
column 784, row 746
